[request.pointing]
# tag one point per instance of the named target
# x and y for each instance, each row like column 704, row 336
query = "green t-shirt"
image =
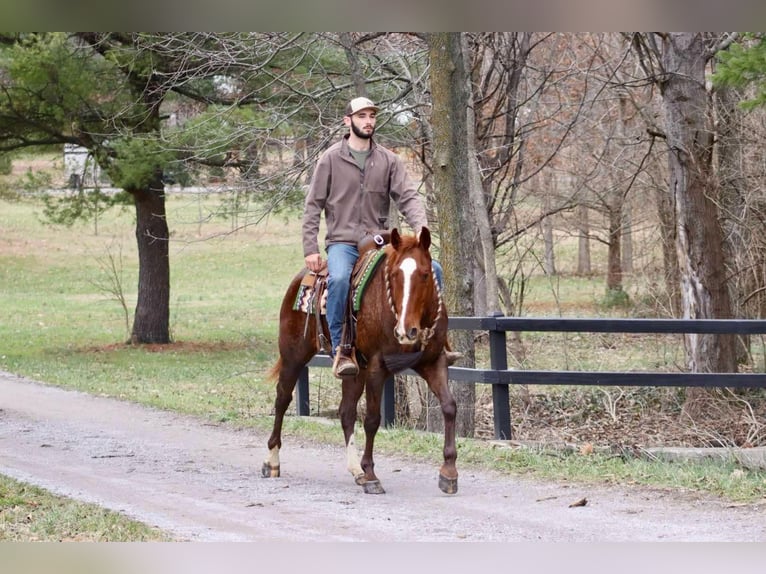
column 360, row 157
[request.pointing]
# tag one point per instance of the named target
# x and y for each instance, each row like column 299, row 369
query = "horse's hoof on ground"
column 373, row 487
column 448, row 485
column 267, row 471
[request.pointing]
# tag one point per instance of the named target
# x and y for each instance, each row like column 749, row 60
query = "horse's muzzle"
column 410, row 337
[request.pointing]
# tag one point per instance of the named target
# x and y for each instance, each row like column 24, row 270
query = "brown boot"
column 452, row 357
column 344, row 364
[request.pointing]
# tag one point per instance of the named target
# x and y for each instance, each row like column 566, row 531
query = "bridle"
column 428, row 332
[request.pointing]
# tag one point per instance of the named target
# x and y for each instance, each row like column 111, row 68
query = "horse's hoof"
column 373, row 487
column 268, row 471
column 447, row 485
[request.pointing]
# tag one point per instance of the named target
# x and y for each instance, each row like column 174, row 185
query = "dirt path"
column 202, row 482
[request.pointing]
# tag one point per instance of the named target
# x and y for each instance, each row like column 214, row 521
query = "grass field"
column 225, row 293
column 30, row 514
column 60, row 323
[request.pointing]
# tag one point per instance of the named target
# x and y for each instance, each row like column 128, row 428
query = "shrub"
column 615, row 298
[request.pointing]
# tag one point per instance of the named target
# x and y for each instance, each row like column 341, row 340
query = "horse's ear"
column 424, row 237
column 396, row 239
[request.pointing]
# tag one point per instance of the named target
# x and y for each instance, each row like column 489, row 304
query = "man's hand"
column 315, row 263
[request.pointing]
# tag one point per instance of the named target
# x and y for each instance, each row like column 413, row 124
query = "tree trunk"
column 583, row 241
column 152, row 317
column 614, row 263
column 451, row 177
column 546, row 223
column 694, row 190
column 627, row 239
column 549, row 263
column 671, row 271
column 479, row 203
column 615, row 205
column 742, row 253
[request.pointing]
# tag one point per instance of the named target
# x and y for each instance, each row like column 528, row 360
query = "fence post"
column 302, row 393
column 387, row 406
column 498, row 359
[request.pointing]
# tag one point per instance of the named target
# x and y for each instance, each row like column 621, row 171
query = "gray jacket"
column 356, row 201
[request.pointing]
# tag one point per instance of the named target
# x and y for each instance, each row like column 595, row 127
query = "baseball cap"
column 358, row 104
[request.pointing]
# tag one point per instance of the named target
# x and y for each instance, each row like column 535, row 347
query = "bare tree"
column 678, row 62
column 611, row 151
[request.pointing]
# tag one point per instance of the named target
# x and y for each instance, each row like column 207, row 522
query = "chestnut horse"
column 401, row 323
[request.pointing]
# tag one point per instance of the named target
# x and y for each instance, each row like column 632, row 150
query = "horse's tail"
column 273, row 373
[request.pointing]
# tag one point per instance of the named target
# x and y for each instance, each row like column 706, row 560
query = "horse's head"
column 411, row 286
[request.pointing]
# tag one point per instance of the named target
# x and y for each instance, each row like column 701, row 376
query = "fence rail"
column 500, row 377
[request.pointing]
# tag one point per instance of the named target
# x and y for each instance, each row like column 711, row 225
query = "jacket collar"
column 347, row 148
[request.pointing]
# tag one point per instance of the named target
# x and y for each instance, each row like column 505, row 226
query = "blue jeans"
column 340, row 262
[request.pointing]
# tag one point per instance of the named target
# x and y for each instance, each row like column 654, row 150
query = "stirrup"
column 344, row 364
column 324, row 344
column 345, row 367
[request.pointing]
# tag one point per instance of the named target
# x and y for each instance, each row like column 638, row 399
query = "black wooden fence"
column 499, row 376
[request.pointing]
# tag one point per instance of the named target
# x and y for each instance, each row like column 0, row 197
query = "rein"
column 427, row 333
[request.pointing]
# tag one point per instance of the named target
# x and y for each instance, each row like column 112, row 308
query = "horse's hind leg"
column 288, row 375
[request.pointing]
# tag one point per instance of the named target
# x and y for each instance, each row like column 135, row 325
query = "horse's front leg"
column 436, row 377
column 373, row 393
column 361, row 470
column 351, row 392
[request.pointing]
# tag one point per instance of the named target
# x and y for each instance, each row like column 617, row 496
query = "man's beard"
column 359, row 133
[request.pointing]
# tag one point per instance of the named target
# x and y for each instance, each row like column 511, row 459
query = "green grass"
column 28, row 514
column 59, row 325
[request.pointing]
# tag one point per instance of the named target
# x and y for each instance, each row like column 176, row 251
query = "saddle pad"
column 305, row 300
column 363, row 273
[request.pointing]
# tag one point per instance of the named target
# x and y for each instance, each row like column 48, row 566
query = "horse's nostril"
column 406, row 337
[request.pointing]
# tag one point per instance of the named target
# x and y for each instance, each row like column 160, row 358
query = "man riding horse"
column 354, row 182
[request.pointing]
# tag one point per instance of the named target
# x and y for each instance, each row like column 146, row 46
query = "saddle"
column 312, row 293
column 312, row 300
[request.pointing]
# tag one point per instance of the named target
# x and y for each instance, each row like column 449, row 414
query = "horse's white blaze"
column 408, row 267
column 352, row 458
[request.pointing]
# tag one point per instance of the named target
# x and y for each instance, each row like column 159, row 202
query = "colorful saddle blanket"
column 312, row 287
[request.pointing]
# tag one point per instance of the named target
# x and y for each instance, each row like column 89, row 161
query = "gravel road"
column 201, row 482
